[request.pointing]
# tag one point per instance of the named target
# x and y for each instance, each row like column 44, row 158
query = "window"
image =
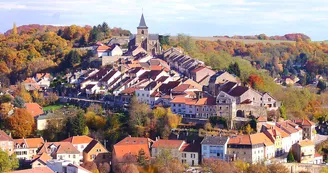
column 173, row 104
column 269, row 99
column 74, row 156
column 184, row 155
column 93, row 156
column 98, row 150
column 82, row 146
column 31, row 151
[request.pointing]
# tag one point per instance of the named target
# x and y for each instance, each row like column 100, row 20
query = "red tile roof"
column 206, row 101
column 181, row 88
column 163, row 143
column 78, row 140
column 305, row 143
column 129, row 91
column 34, row 109
column 30, row 142
column 131, row 145
column 102, row 48
column 43, row 158
column 4, row 136
column 304, row 122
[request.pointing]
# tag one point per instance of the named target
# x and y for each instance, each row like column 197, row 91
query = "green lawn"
column 53, row 107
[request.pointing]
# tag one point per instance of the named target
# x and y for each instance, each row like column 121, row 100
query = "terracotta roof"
column 181, row 88
column 62, row 148
column 241, row 139
column 34, row 109
column 200, row 68
column 131, row 145
column 238, row 91
column 91, row 145
column 29, row 80
column 102, row 48
column 155, row 94
column 206, row 101
column 4, row 136
column 129, row 91
column 35, row 170
column 289, row 127
column 40, row 75
column 42, row 158
column 78, row 140
column 163, row 143
column 317, row 155
column 260, row 138
column 305, row 143
column 304, row 122
column 179, row 100
column 156, row 67
column 30, row 142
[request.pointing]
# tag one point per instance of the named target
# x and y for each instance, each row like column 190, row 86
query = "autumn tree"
column 96, row 108
column 8, row 163
column 138, row 115
column 91, row 166
column 277, row 168
column 14, row 29
column 219, row 166
column 51, row 98
column 248, row 129
column 165, row 162
column 255, row 81
column 257, row 168
column 94, row 121
column 21, row 123
column 76, row 125
column 104, row 167
column 142, row 157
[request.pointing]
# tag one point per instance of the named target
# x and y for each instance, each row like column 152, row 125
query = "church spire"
column 142, row 23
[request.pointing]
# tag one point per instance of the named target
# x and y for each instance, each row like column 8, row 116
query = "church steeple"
column 142, row 23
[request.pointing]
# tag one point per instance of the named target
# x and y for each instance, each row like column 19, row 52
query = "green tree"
column 290, row 157
column 73, row 58
column 7, row 163
column 283, row 112
column 18, row 102
column 234, row 69
column 79, row 124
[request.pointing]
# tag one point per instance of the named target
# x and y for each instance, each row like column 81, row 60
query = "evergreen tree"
column 60, row 32
column 78, row 125
column 234, row 69
column 290, row 157
column 73, row 58
column 19, row 102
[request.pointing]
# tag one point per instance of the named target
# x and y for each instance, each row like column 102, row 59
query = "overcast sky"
column 192, row 17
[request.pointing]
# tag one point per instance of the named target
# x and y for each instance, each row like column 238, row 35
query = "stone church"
column 149, row 42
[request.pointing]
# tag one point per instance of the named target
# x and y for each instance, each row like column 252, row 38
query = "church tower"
column 142, row 33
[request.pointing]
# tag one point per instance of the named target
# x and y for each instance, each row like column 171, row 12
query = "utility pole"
column 105, row 142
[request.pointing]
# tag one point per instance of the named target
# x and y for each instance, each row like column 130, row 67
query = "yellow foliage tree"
column 173, row 119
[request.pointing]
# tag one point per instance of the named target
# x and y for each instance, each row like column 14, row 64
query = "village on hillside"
column 216, row 116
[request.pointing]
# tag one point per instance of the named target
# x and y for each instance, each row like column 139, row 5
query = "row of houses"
column 271, row 144
column 56, row 155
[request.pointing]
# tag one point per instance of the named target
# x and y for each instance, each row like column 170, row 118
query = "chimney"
column 193, row 141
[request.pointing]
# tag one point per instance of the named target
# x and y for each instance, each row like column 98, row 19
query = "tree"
column 138, row 113
column 283, row 112
column 51, row 98
column 96, row 108
column 8, row 163
column 322, row 86
column 173, row 119
column 165, row 162
column 218, row 166
column 91, row 166
column 277, row 168
column 142, row 157
column 38, row 98
column 290, row 157
column 18, row 102
column 73, row 58
column 255, row 81
column 14, row 29
column 208, row 126
column 21, row 123
column 234, row 69
column 104, row 167
column 257, row 168
column 248, row 129
column 241, row 166
column 78, row 125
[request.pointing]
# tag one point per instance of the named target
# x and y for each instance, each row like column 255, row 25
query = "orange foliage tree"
column 21, row 123
column 255, row 81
